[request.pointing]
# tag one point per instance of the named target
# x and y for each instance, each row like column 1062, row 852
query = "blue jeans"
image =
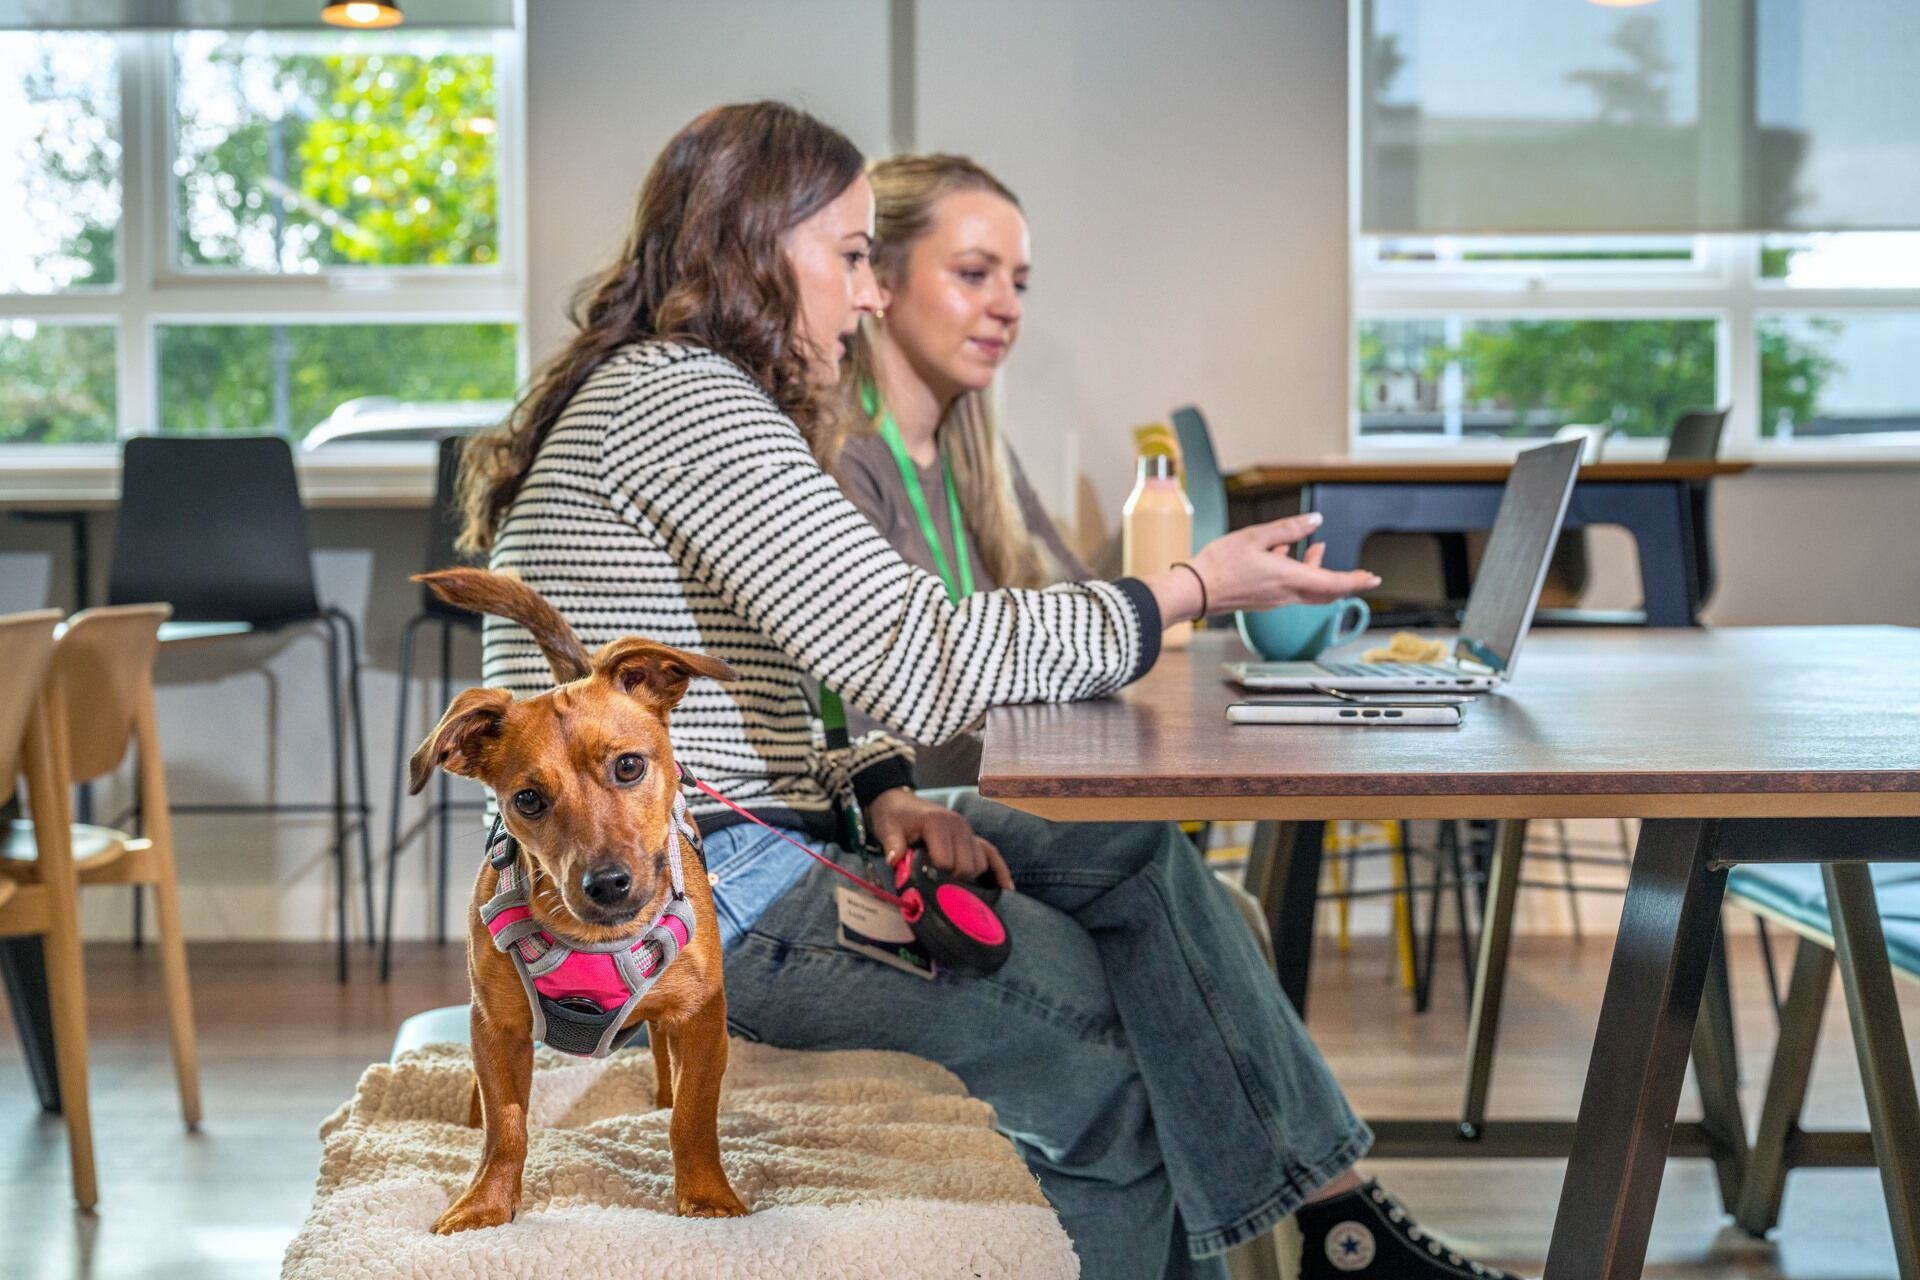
column 1135, row 1047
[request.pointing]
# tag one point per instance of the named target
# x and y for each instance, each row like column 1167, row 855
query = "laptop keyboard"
column 1355, row 669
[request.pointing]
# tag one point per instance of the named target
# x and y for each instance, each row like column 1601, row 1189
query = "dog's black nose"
column 606, row 884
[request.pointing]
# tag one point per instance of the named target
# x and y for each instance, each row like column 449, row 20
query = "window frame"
column 150, row 291
column 1727, row 286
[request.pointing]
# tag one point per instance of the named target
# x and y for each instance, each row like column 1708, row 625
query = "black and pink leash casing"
column 953, row 920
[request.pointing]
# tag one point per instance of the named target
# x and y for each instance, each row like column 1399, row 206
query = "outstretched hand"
column 1253, row 568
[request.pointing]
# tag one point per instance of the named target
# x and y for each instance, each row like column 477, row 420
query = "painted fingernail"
column 1314, row 517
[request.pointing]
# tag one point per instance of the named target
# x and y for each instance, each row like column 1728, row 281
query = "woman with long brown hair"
column 661, row 478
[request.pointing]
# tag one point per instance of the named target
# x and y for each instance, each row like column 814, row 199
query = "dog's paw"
column 472, row 1215
column 724, row 1204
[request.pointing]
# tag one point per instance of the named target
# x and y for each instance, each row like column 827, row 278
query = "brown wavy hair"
column 907, row 190
column 703, row 265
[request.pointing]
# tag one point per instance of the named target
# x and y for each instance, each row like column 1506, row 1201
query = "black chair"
column 442, row 530
column 215, row 527
column 1695, row 438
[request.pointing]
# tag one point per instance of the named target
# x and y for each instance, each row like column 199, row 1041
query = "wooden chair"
column 43, row 901
column 100, row 698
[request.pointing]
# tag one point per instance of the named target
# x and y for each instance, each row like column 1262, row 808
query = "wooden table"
column 1780, row 744
column 1649, row 499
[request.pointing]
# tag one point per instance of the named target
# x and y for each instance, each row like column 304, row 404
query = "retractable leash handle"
column 952, row 919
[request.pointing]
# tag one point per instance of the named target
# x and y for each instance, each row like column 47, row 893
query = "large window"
column 1700, row 186
column 245, row 231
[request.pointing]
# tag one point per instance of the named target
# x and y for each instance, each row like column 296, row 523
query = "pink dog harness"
column 582, row 992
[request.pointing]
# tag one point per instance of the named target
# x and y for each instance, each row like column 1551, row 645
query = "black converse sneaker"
column 1367, row 1235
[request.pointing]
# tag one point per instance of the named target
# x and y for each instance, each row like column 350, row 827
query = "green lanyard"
column 833, row 716
column 957, row 589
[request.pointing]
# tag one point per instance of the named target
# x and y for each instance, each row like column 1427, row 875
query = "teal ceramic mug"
column 1297, row 632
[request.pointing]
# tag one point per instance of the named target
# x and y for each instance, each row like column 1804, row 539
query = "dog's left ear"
column 653, row 671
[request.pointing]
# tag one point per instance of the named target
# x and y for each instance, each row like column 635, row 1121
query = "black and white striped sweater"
column 674, row 500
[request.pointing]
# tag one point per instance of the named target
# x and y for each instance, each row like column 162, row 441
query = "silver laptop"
column 1499, row 610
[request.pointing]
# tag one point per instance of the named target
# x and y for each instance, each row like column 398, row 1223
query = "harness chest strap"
column 581, row 993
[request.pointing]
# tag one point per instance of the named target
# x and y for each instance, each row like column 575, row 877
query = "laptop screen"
column 1514, row 566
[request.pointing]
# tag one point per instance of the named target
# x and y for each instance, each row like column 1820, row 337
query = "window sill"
column 1766, row 457
column 87, row 478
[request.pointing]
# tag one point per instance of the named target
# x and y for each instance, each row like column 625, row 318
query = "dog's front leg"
column 503, row 1068
column 662, row 1064
column 700, row 1188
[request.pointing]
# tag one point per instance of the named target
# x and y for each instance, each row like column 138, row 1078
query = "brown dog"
column 586, row 781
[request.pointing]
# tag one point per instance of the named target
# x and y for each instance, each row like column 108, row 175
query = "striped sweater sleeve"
column 706, row 459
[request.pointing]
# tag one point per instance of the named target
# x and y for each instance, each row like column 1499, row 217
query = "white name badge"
column 877, row 930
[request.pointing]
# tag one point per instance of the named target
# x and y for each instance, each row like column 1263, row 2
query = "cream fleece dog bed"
column 853, row 1164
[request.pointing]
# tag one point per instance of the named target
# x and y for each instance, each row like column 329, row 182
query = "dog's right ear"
column 459, row 741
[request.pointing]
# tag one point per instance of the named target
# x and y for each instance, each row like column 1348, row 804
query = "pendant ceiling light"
column 362, row 14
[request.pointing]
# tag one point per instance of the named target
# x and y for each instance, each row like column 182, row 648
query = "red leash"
column 828, row 863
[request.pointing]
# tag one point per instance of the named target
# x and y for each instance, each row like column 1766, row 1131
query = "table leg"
column 1351, row 515
column 1893, row 1114
column 1456, row 573
column 1716, row 1068
column 23, row 971
column 1758, row 1211
column 1667, row 929
column 1283, row 872
column 1490, row 976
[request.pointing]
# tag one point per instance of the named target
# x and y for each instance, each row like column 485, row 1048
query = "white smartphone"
column 1334, row 711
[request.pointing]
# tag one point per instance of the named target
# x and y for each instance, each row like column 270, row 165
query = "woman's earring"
column 879, row 313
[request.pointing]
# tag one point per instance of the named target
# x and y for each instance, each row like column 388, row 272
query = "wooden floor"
column 281, row 1046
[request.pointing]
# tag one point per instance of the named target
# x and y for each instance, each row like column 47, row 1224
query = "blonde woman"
column 924, row 457
column 919, row 415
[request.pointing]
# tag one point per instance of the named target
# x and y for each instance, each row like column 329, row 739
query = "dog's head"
column 584, row 773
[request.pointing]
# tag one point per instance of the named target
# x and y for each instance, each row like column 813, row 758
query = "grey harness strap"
column 581, row 993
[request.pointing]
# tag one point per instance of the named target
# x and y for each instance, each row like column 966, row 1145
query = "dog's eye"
column 529, row 803
column 629, row 768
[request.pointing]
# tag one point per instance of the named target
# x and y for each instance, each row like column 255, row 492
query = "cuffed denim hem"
column 1253, row 1225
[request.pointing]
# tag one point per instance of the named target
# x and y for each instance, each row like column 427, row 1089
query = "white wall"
column 609, row 81
column 1184, row 169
